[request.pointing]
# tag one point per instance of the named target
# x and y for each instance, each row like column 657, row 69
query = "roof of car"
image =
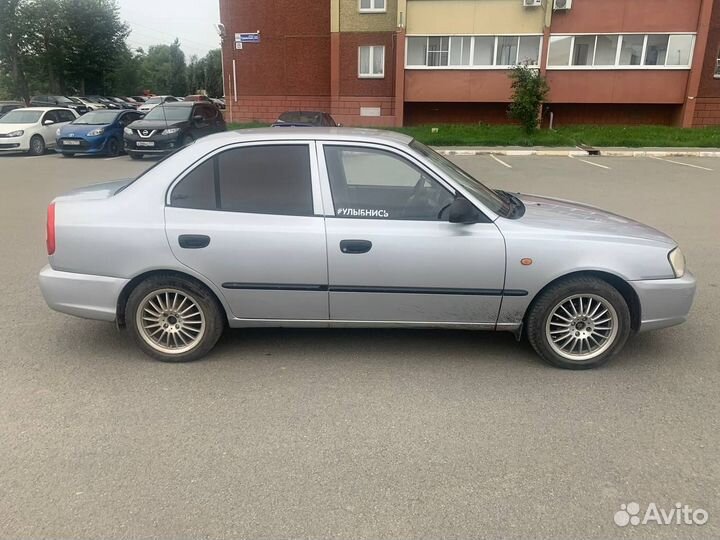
column 43, row 109
column 314, row 133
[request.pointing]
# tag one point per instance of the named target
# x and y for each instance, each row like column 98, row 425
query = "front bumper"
column 81, row 295
column 85, row 145
column 162, row 144
column 665, row 302
column 14, row 144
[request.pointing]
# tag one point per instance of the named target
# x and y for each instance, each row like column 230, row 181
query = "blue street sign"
column 247, row 38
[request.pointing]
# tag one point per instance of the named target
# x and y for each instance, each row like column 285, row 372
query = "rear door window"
column 268, row 179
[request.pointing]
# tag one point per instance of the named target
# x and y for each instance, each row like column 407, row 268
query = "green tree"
column 530, row 90
column 15, row 47
column 177, row 84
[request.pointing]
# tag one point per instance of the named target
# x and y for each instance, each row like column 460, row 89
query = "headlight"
column 127, row 131
column 677, row 261
column 96, row 132
column 18, row 133
column 170, row 131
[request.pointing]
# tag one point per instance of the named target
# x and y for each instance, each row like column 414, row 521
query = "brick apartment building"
column 405, row 62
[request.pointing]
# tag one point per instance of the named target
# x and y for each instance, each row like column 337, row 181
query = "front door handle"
column 354, row 247
column 193, row 241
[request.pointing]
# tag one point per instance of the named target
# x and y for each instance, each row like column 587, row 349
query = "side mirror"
column 197, row 118
column 48, row 122
column 462, row 211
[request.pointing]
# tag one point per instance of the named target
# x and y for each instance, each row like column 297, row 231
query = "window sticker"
column 362, row 212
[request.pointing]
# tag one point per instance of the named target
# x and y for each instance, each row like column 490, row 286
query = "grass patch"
column 603, row 136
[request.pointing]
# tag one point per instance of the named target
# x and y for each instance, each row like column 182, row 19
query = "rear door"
column 250, row 219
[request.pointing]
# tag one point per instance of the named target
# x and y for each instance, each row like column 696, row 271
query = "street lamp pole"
column 220, row 29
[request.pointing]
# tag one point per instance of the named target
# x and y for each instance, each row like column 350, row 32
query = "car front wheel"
column 174, row 319
column 579, row 323
column 37, row 146
column 134, row 155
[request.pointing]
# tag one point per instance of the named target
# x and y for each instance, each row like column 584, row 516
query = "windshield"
column 63, row 99
column 301, row 118
column 21, row 117
column 484, row 194
column 97, row 118
column 154, row 100
column 170, row 114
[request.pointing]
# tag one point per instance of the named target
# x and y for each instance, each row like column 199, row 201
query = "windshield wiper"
column 517, row 208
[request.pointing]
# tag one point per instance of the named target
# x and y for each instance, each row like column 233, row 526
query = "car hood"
column 95, row 191
column 579, row 218
column 9, row 128
column 80, row 130
column 155, row 124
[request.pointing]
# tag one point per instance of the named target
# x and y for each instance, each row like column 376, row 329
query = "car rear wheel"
column 579, row 323
column 37, row 146
column 113, row 148
column 174, row 319
column 134, row 155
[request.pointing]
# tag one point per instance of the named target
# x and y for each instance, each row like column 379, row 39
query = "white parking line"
column 681, row 163
column 500, row 161
column 590, row 163
column 111, row 158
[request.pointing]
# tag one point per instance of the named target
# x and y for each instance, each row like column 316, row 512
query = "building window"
column 621, row 51
column 373, row 6
column 371, row 62
column 468, row 52
column 717, row 67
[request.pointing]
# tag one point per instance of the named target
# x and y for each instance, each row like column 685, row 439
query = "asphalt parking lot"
column 359, row 433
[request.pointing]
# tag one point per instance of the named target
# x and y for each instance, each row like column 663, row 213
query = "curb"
column 579, row 153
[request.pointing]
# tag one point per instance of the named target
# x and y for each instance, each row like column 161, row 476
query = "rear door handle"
column 193, row 241
column 354, row 247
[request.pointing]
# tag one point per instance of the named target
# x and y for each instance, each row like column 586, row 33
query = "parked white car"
column 32, row 129
column 92, row 106
column 154, row 101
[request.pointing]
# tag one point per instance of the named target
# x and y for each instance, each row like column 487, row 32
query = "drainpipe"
column 696, row 72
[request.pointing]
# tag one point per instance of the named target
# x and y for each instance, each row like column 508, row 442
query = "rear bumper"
column 81, row 295
column 665, row 302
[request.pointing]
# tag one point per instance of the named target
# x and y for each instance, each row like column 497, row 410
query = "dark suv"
column 58, row 101
column 171, row 126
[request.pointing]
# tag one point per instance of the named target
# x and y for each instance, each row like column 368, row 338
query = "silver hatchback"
column 341, row 227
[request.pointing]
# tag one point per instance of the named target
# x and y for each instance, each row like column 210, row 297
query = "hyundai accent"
column 352, row 228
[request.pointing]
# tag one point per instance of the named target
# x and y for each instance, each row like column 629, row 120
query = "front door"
column 392, row 254
column 248, row 219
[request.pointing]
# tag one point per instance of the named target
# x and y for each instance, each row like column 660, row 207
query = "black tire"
column 135, row 155
column 212, row 314
column 538, row 329
column 37, row 146
column 187, row 140
column 113, row 148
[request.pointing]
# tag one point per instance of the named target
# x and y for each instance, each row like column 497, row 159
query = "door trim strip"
column 372, row 289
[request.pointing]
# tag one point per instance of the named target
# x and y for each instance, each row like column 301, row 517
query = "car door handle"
column 355, row 246
column 193, row 241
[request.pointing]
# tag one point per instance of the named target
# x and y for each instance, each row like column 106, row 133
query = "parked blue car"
column 97, row 132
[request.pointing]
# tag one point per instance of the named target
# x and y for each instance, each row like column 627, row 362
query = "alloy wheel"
column 171, row 321
column 582, row 327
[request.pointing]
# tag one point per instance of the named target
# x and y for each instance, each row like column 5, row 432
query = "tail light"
column 51, row 229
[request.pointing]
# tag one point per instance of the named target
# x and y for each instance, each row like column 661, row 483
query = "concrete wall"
column 352, row 20
column 445, row 17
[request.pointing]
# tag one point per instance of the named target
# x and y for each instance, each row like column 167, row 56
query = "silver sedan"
column 352, row 228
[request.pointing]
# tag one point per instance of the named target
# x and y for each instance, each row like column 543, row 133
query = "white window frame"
column 371, row 75
column 717, row 67
column 471, row 66
column 617, row 65
column 372, row 9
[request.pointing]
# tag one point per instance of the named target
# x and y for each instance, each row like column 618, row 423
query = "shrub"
column 529, row 92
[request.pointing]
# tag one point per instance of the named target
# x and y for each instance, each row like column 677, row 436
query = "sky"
column 155, row 22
